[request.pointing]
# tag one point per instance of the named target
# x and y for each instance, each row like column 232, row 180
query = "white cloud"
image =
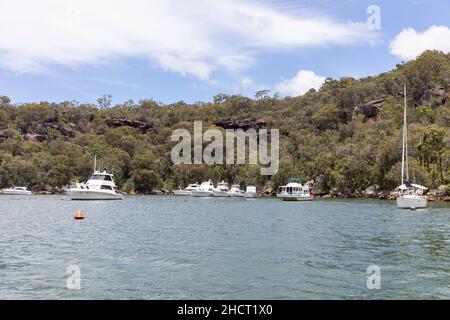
column 246, row 82
column 409, row 43
column 199, row 69
column 303, row 81
column 193, row 38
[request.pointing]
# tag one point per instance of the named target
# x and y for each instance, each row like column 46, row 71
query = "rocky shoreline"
column 442, row 193
column 373, row 192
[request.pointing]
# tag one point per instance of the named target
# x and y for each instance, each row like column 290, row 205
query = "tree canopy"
column 346, row 135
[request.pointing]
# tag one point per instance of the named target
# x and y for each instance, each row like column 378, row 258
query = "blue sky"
column 170, row 50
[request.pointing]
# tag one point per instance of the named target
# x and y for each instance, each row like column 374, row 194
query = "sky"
column 176, row 50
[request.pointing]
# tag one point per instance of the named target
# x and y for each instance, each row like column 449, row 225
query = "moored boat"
column 236, row 191
column 221, row 190
column 206, row 189
column 411, row 195
column 250, row 191
column 186, row 191
column 16, row 191
column 294, row 191
column 100, row 186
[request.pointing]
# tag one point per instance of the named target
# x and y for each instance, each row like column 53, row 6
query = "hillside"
column 345, row 136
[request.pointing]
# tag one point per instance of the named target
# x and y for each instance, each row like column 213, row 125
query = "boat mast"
column 95, row 162
column 406, row 139
column 404, row 135
column 405, row 166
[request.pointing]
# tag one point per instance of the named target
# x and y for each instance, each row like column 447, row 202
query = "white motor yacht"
column 206, row 189
column 236, row 191
column 222, row 190
column 411, row 195
column 250, row 191
column 100, row 186
column 294, row 191
column 16, row 191
column 186, row 191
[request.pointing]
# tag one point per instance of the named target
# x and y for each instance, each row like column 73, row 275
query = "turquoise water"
column 200, row 248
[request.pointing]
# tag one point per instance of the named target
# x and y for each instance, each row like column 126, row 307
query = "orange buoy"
column 79, row 215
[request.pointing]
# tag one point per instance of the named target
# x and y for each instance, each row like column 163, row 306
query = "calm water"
column 198, row 248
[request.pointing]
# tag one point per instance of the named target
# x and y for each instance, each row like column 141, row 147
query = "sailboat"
column 411, row 195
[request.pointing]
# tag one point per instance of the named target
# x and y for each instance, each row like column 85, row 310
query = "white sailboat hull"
column 77, row 194
column 411, row 201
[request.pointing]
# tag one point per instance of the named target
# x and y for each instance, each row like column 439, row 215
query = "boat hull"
column 250, row 195
column 203, row 194
column 92, row 195
column 16, row 193
column 237, row 194
column 411, row 201
column 285, row 197
column 183, row 193
column 221, row 194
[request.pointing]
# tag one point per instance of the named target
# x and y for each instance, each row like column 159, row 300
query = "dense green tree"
column 322, row 138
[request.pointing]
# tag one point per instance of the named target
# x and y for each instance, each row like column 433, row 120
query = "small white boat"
column 16, row 191
column 411, row 195
column 236, row 191
column 186, row 191
column 250, row 191
column 294, row 191
column 222, row 190
column 206, row 189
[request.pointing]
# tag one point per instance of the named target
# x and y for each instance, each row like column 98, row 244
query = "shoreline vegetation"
column 344, row 139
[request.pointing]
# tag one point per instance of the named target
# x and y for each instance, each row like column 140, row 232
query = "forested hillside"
column 345, row 136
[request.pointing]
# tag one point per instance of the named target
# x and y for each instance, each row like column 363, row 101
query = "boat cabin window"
column 106, row 187
column 100, row 177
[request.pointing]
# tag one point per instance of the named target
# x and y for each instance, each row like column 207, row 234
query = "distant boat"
column 16, row 191
column 411, row 195
column 294, row 191
column 100, row 186
column 221, row 190
column 186, row 191
column 236, row 191
column 206, row 189
column 250, row 191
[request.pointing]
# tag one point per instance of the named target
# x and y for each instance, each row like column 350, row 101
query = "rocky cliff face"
column 369, row 109
column 244, row 124
column 434, row 97
column 116, row 123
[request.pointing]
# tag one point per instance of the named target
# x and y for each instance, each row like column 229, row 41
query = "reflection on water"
column 195, row 248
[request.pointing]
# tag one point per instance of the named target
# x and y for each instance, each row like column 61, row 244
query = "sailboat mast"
column 404, row 142
column 406, row 139
column 95, row 162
